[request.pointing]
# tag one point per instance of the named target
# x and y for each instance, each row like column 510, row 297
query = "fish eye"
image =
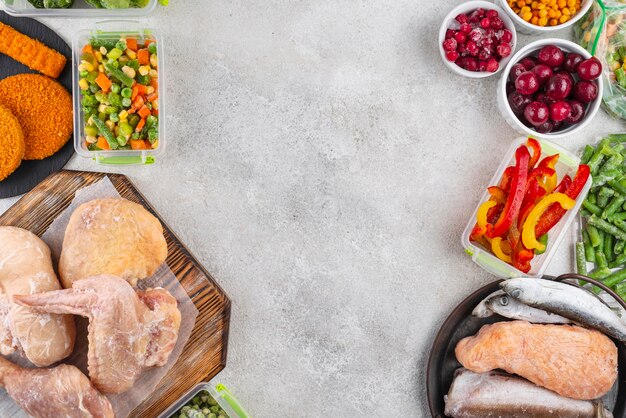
column 504, row 300
column 516, row 293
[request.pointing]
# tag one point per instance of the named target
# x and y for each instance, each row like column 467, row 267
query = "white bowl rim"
column 543, row 29
column 563, row 43
column 472, row 5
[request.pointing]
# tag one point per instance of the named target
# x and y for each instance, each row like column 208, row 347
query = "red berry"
column 589, row 69
column 516, row 70
column 518, row 102
column 504, row 50
column 471, row 64
column 558, row 87
column 482, row 65
column 485, row 53
column 492, row 65
column 460, row 37
column 577, row 112
column 476, row 15
column 461, row 18
column 551, row 56
column 546, row 127
column 510, row 88
column 492, row 13
column 452, row 56
column 476, row 34
column 507, row 36
column 485, row 23
column 543, row 72
column 449, row 44
column 585, row 91
column 472, row 48
column 497, row 23
column 528, row 62
column 541, row 97
column 466, row 28
column 527, row 83
column 536, row 113
column 462, row 50
column 559, row 111
column 571, row 61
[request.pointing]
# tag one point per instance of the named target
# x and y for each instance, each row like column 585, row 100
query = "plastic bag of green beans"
column 602, row 32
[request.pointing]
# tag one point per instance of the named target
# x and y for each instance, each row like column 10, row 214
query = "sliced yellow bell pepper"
column 481, row 215
column 496, row 248
column 528, row 231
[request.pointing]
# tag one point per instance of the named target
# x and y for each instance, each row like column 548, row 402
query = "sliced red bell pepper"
column 521, row 257
column 549, row 161
column 515, row 197
column 555, row 212
column 533, row 194
column 505, row 182
column 563, row 185
column 536, row 147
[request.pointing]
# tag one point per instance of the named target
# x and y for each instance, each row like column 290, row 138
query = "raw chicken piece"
column 62, row 391
column 128, row 331
column 26, row 268
column 572, row 361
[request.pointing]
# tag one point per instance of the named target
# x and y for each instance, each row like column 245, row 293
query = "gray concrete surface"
column 322, row 163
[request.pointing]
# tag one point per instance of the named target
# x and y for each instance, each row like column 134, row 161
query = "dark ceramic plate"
column 31, row 173
column 442, row 362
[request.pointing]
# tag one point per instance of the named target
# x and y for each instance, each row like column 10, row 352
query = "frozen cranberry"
column 546, row 127
column 536, row 113
column 510, row 88
column 577, row 112
column 486, row 42
column 485, row 53
column 452, row 55
column 450, row 44
column 460, row 37
column 558, row 87
column 491, row 34
column 492, row 65
column 527, row 83
column 492, row 13
column 528, row 62
column 504, row 50
column 589, row 69
column 515, row 72
column 476, row 34
column 472, row 48
column 543, row 72
column 462, row 50
column 559, row 111
column 571, row 61
column 482, row 65
column 507, row 36
column 585, row 91
column 472, row 64
column 518, row 102
column 450, row 33
column 551, row 55
column 466, row 28
column 461, row 18
column 497, row 23
column 477, row 15
column 485, row 23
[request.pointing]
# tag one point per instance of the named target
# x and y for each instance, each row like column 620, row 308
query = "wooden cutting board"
column 205, row 353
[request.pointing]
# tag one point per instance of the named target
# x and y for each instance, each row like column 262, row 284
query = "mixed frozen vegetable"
column 120, row 94
column 201, row 406
column 529, row 200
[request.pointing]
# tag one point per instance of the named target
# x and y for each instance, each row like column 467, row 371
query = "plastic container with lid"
column 80, row 8
column 218, row 391
column 568, row 164
column 113, row 30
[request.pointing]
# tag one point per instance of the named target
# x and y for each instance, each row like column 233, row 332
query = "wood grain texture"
column 205, row 353
column 30, row 173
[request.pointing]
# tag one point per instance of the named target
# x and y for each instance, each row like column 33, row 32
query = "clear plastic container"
column 218, row 391
column 114, row 30
column 80, row 8
column 567, row 164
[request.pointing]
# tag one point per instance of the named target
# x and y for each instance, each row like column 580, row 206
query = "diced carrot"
column 144, row 112
column 142, row 89
column 135, row 92
column 152, row 97
column 154, row 82
column 143, row 56
column 140, row 125
column 138, row 144
column 103, row 81
column 131, row 44
column 138, row 102
column 88, row 49
column 102, row 143
column 147, row 42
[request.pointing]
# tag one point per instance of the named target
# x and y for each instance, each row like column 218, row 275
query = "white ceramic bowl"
column 530, row 29
column 503, row 103
column 467, row 7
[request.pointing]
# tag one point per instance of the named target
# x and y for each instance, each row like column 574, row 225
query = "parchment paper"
column 122, row 403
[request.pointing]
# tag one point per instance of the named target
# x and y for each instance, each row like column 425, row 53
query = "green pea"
column 127, row 93
column 126, row 102
column 114, row 117
column 91, row 130
column 84, row 74
column 152, row 48
column 94, row 88
column 134, row 64
column 115, row 88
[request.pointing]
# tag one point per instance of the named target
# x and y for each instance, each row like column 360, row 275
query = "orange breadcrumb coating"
column 11, row 143
column 44, row 109
column 30, row 52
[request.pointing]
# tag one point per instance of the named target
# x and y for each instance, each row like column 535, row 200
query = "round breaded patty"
column 44, row 109
column 11, row 143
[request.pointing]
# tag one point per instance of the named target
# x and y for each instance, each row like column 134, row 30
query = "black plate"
column 442, row 362
column 31, row 173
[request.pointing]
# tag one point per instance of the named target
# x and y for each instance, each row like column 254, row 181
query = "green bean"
column 618, row 185
column 589, row 253
column 609, row 242
column 601, row 260
column 587, row 154
column 591, row 198
column 106, row 133
column 598, row 156
column 612, row 163
column 619, row 246
column 603, row 196
column 620, row 288
column 615, row 278
column 616, row 203
column 581, row 262
column 602, row 178
column 600, row 273
column 594, row 235
column 119, row 75
column 618, row 216
column 603, row 225
column 595, row 209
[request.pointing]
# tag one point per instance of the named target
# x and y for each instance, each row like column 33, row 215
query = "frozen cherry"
column 466, row 28
column 589, row 69
column 462, row 50
column 485, row 23
column 460, row 37
column 558, row 87
column 551, row 55
column 528, row 62
column 450, row 33
column 452, row 56
column 585, row 91
column 516, row 70
column 504, row 50
column 476, row 15
column 543, row 72
column 482, row 65
column 559, row 111
column 518, row 102
column 536, row 113
column 450, row 44
column 492, row 65
column 571, row 61
column 577, row 112
column 491, row 13
column 527, row 83
column 507, row 36
column 546, row 127
column 461, row 18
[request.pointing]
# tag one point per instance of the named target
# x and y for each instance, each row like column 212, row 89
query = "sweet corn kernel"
column 91, row 139
column 561, row 3
column 144, row 70
column 154, row 61
column 103, row 50
column 98, row 56
column 154, row 73
column 571, row 3
column 155, row 104
column 131, row 54
column 83, row 84
column 101, row 68
column 156, row 144
column 129, row 71
column 557, row 14
column 615, row 66
column 110, row 124
column 572, row 10
column 123, row 115
column 150, row 90
column 102, row 108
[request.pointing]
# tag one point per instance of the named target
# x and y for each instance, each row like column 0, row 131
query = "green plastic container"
column 219, row 392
